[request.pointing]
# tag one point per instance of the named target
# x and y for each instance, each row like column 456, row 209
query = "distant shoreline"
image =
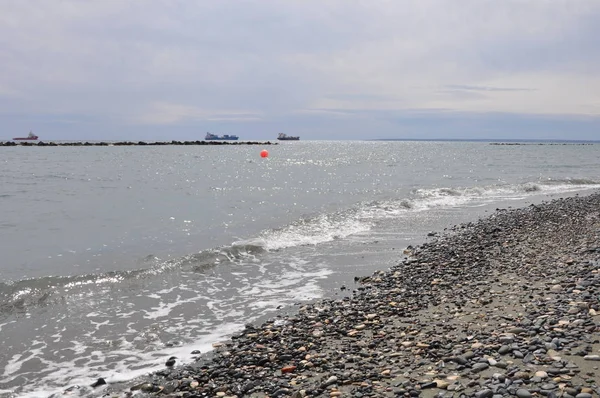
column 131, row 143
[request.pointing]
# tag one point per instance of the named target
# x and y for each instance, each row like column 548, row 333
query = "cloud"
column 168, row 113
column 464, row 87
column 177, row 62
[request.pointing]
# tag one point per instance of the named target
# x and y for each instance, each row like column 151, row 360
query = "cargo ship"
column 30, row 137
column 284, row 137
column 226, row 137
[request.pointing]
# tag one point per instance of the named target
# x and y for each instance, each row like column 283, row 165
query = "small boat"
column 30, row 137
column 226, row 137
column 284, row 137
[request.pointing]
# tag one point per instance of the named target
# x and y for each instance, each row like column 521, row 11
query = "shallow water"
column 116, row 258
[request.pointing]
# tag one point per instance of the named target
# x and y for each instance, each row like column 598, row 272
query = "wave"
column 20, row 296
column 312, row 230
column 315, row 230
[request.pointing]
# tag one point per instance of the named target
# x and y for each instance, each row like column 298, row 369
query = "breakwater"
column 131, row 143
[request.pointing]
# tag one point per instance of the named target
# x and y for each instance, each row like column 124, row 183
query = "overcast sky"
column 175, row 69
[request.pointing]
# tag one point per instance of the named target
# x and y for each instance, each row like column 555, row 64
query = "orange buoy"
column 264, row 153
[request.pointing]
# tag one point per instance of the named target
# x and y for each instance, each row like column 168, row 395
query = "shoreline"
column 130, row 143
column 504, row 306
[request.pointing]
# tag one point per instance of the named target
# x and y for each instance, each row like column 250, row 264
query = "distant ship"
column 226, row 137
column 30, row 137
column 284, row 137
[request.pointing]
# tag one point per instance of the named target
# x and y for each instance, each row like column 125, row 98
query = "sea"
column 114, row 259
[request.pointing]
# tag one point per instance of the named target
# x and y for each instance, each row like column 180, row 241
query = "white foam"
column 71, row 373
column 324, row 228
column 13, row 365
column 329, row 227
column 426, row 199
column 6, row 324
column 164, row 309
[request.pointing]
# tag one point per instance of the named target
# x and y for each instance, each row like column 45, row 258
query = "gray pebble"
column 523, row 393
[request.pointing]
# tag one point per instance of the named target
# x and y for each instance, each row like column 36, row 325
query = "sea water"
column 116, row 258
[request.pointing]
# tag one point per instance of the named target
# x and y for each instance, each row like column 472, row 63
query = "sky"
column 323, row 69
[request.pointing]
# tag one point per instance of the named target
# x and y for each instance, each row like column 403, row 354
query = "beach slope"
column 506, row 306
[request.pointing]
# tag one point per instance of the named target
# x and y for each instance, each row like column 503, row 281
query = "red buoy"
column 264, row 153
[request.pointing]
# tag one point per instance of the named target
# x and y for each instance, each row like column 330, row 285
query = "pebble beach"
column 505, row 306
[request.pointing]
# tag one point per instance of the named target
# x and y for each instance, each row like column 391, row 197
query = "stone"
column 484, row 394
column 523, row 393
column 478, row 367
column 99, row 382
column 556, row 288
column 331, row 380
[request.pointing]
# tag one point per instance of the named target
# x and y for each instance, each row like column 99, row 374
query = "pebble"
column 523, row 393
column 478, row 367
column 592, row 357
column 484, row 394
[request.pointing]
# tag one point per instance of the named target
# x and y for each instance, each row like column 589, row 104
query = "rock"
column 592, row 357
column 478, row 367
column 331, row 380
column 99, row 382
column 517, row 354
column 523, row 393
column 169, row 387
column 524, row 375
column 501, row 365
column 517, row 330
column 484, row 394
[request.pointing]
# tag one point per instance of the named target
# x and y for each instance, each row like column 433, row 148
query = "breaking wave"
column 36, row 292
